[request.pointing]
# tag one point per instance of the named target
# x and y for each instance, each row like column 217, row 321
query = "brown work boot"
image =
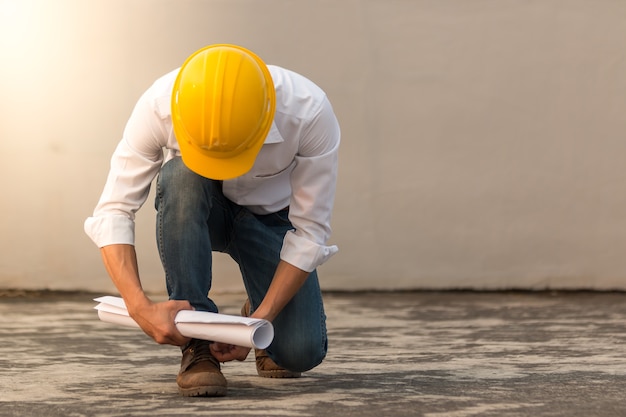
column 265, row 366
column 200, row 374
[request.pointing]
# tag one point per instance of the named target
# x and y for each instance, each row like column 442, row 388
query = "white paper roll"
column 234, row 330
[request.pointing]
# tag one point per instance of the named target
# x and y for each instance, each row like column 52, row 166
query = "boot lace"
column 200, row 351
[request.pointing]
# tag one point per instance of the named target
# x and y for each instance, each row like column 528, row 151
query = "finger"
column 172, row 338
column 242, row 354
column 186, row 305
column 178, row 305
column 223, row 357
column 181, row 341
column 221, row 347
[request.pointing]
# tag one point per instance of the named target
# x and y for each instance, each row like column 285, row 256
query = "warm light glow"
column 17, row 25
column 21, row 29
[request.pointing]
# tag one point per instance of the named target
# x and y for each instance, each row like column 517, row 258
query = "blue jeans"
column 194, row 218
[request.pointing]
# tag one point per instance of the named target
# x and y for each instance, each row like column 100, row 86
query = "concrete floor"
column 425, row 354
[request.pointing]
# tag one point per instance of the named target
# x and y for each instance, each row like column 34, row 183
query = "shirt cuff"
column 303, row 253
column 110, row 230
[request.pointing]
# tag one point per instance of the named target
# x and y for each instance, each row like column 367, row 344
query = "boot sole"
column 209, row 391
column 278, row 374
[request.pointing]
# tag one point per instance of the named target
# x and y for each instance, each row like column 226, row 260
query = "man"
column 246, row 157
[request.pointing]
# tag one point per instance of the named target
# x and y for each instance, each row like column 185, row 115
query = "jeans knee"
column 300, row 358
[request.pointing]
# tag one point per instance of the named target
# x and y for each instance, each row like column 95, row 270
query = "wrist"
column 265, row 313
column 136, row 303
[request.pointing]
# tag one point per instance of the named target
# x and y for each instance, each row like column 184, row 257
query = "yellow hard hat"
column 223, row 105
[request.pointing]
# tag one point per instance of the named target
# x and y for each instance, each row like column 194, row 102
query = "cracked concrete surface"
column 431, row 354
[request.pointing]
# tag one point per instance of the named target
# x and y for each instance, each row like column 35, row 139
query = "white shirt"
column 296, row 167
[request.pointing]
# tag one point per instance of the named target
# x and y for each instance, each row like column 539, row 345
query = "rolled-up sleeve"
column 313, row 183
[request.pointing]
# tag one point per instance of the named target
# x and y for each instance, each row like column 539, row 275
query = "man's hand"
column 224, row 352
column 157, row 321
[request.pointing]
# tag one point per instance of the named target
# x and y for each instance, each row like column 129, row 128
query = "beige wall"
column 483, row 140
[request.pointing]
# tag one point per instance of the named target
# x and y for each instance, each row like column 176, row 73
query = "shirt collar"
column 274, row 135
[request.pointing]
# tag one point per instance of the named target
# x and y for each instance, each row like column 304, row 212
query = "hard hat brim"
column 218, row 168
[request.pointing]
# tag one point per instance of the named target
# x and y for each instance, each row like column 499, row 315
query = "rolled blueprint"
column 234, row 330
